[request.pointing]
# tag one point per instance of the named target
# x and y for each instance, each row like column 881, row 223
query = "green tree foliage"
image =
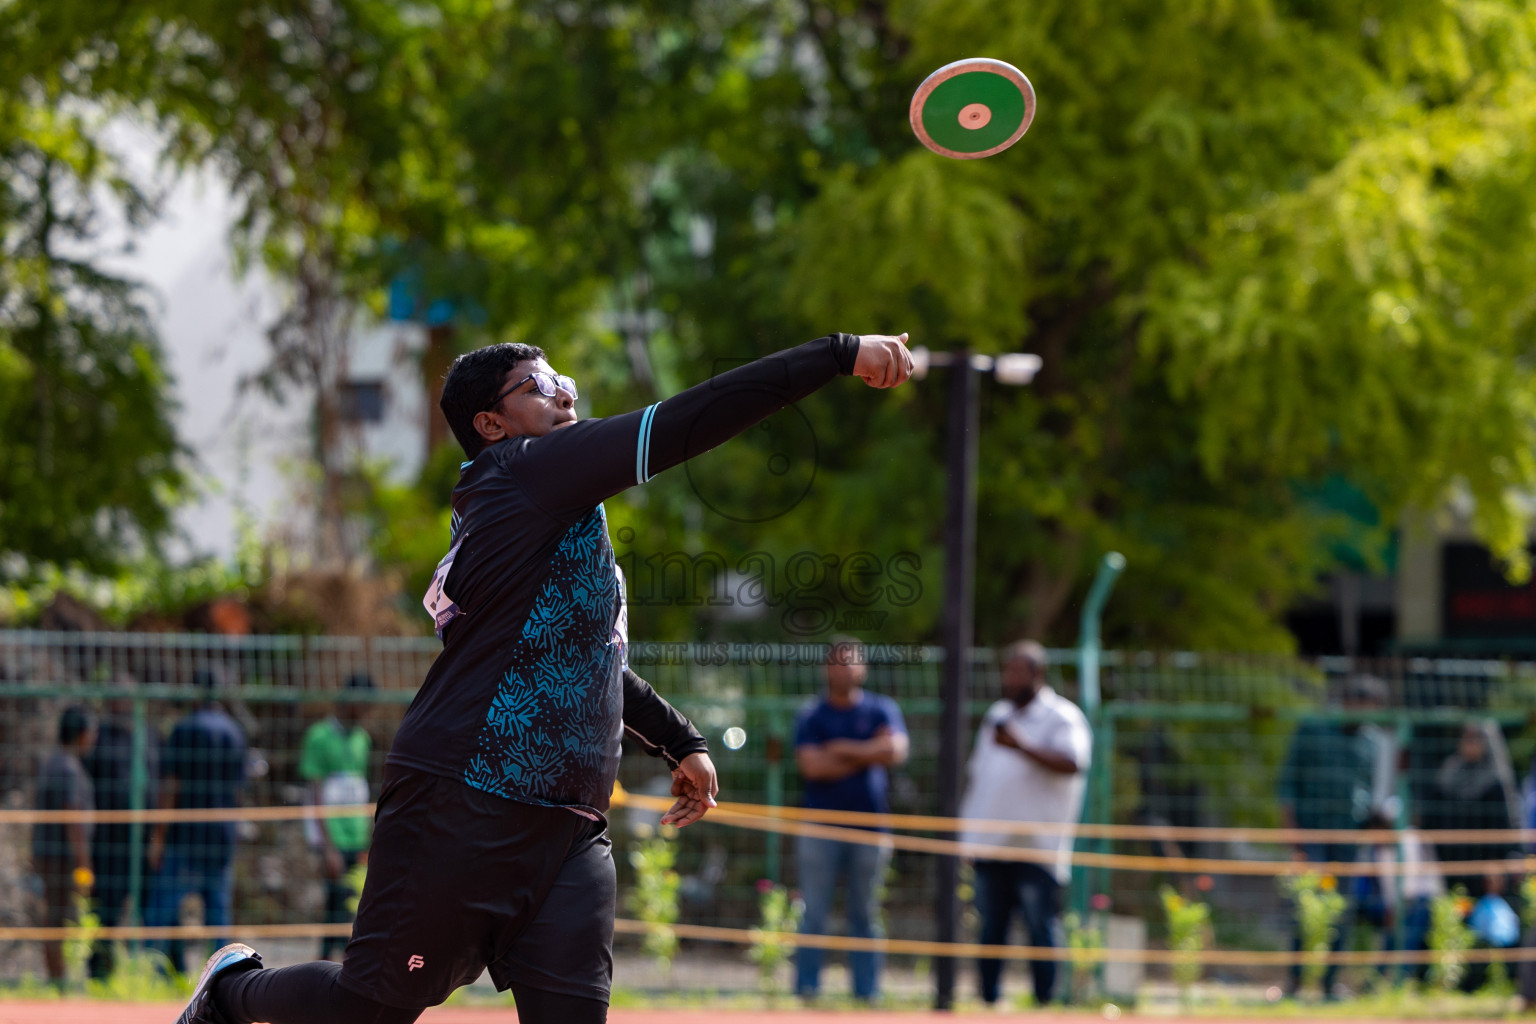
column 89, row 464
column 1264, row 246
column 1260, row 245
column 491, row 156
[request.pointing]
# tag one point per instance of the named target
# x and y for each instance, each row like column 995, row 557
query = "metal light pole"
column 1089, row 647
column 959, row 619
column 959, row 628
column 1100, row 790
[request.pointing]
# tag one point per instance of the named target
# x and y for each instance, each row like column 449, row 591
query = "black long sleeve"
column 528, row 699
column 573, row 468
column 657, row 726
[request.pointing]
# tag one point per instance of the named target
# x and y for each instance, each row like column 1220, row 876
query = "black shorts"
column 460, row 881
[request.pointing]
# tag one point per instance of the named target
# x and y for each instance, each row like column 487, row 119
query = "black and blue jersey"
column 532, row 693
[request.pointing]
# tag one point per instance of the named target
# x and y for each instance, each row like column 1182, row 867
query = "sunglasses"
column 547, row 383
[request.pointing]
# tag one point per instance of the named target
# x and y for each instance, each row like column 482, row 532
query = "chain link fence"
column 1180, row 739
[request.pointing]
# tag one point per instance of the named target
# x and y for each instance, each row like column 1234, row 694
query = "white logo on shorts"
column 413, row 963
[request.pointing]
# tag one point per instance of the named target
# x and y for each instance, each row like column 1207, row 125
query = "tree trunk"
column 435, row 362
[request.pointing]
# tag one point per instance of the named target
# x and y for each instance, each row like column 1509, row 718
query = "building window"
column 362, row 401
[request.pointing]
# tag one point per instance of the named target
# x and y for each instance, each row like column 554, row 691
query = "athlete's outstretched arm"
column 573, row 468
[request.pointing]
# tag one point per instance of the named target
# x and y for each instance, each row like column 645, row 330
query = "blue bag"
column 1494, row 922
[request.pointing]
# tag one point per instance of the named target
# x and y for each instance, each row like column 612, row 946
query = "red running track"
column 85, row 1012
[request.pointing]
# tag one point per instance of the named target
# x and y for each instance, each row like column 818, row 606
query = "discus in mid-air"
column 973, row 108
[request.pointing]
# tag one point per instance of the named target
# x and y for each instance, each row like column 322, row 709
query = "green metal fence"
column 1180, row 739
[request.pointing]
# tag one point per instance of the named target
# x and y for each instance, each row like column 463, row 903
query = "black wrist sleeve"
column 845, row 350
column 657, row 726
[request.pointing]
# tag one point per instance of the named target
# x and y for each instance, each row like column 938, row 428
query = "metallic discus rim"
column 963, row 67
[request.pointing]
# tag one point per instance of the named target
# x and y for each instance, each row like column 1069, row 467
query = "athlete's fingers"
column 688, row 802
column 704, row 777
column 695, row 802
column 894, row 363
column 685, row 811
column 698, row 772
column 904, row 362
column 702, row 793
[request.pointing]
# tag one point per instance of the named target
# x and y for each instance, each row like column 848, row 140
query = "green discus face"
column 972, row 108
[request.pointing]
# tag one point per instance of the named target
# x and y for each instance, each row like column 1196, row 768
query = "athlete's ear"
column 489, row 426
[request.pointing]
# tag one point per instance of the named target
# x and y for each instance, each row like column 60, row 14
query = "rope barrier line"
column 752, row 816
column 968, row 950
column 1114, row 861
column 185, row 931
column 904, row 947
column 787, row 822
column 1152, row 833
column 916, row 822
column 153, row 815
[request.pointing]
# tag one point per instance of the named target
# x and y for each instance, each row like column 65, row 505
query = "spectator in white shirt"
column 1030, row 764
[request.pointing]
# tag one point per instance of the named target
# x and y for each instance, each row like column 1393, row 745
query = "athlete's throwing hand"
column 695, row 786
column 883, row 360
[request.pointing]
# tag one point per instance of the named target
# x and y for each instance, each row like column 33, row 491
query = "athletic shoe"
column 234, row 957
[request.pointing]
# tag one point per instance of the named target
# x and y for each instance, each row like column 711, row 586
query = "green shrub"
column 1188, row 922
column 654, row 897
column 778, row 915
column 1318, row 909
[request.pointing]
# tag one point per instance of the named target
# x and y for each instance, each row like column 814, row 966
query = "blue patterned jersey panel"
column 552, row 731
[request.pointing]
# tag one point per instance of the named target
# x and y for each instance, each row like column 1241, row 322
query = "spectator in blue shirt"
column 844, row 743
column 126, row 755
column 202, row 766
column 61, row 853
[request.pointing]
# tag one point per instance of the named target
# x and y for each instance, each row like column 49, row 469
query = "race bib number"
column 438, row 604
column 621, row 622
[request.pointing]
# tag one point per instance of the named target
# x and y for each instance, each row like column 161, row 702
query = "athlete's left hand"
column 695, row 786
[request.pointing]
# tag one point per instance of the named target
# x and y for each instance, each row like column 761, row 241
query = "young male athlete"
column 490, row 849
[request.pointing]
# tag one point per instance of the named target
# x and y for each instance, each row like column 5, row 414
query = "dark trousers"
column 181, row 874
column 339, row 893
column 1004, row 888
column 109, row 901
column 111, row 850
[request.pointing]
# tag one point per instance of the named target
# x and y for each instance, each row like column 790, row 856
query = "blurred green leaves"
column 89, row 465
column 1260, row 244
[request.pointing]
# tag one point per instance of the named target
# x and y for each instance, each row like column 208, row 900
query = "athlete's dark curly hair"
column 473, row 382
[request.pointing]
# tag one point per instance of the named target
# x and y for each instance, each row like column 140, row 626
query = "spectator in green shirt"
column 335, row 764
